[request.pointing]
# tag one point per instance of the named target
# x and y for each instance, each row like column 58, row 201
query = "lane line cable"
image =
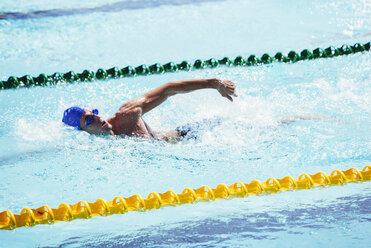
column 14, row 82
column 121, row 205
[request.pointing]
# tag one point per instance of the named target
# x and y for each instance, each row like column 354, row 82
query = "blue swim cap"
column 72, row 116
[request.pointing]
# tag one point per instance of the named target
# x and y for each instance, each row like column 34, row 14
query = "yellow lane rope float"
column 121, row 205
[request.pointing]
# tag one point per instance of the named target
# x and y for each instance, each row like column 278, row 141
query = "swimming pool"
column 43, row 162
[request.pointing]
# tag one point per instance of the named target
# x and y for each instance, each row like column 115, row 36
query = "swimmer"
column 128, row 119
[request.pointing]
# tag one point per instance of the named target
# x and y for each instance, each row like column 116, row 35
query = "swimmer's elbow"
column 171, row 89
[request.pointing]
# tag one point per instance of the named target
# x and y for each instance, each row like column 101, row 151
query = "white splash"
column 34, row 130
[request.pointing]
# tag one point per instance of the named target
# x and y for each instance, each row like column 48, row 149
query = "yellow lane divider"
column 121, row 205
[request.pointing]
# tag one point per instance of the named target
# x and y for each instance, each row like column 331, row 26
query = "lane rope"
column 121, row 205
column 143, row 70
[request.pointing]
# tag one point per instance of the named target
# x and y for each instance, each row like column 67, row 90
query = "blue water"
column 44, row 162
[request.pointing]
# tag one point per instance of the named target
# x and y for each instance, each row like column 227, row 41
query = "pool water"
column 44, row 162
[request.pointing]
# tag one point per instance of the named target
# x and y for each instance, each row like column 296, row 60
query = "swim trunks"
column 193, row 130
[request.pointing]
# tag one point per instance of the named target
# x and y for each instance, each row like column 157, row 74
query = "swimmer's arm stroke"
column 155, row 97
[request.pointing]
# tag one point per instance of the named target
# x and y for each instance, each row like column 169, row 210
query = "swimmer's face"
column 94, row 124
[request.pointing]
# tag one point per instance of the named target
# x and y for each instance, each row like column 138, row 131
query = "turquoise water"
column 44, row 162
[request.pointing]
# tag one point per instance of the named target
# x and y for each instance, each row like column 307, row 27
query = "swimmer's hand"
column 227, row 89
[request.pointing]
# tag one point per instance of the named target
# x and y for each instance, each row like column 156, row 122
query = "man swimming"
column 128, row 119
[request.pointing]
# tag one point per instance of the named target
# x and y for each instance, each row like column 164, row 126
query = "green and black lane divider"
column 130, row 71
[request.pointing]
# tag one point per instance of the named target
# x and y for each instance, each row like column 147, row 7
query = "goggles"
column 90, row 119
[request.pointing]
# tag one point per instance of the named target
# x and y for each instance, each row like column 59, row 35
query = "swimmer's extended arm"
column 130, row 112
column 157, row 96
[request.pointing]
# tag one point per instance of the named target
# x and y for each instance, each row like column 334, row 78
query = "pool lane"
column 112, row 7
